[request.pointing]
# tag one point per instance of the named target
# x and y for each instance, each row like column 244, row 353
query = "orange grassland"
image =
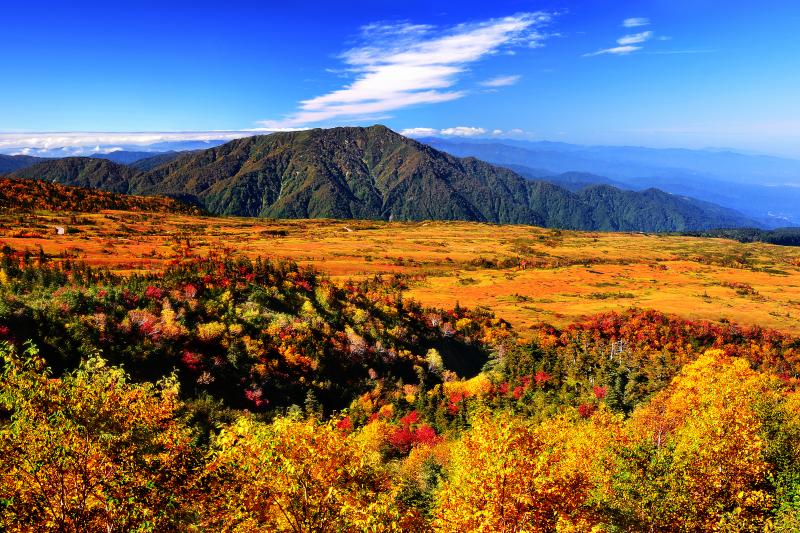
column 526, row 275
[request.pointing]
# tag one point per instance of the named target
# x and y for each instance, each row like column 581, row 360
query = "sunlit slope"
column 524, row 274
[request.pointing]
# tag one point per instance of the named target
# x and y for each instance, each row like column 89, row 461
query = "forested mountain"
column 375, row 173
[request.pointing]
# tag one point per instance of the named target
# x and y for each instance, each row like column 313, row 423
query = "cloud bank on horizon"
column 86, row 143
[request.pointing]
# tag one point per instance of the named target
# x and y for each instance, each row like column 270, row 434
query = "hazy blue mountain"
column 10, row 163
column 182, row 146
column 573, row 181
column 763, row 187
column 620, row 162
column 139, row 160
column 124, row 157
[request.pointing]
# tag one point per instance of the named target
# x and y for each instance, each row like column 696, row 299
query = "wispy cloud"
column 635, row 22
column 629, row 43
column 635, row 38
column 617, row 50
column 401, row 65
column 501, row 81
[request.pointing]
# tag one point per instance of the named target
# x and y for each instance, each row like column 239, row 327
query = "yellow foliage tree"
column 509, row 475
column 89, row 451
column 697, row 456
column 296, row 475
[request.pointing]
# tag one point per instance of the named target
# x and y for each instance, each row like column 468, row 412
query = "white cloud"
column 457, row 131
column 501, row 81
column 497, row 132
column 401, row 65
column 463, row 131
column 617, row 50
column 419, row 132
column 634, row 38
column 635, row 22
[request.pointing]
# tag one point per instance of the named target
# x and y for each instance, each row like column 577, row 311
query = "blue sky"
column 699, row 73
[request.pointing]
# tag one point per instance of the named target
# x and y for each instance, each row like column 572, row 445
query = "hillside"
column 375, row 173
column 524, row 274
column 44, row 196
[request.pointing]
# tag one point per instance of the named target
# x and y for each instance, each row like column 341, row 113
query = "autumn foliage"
column 36, row 195
column 232, row 395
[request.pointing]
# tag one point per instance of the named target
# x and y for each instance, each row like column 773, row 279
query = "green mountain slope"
column 375, row 173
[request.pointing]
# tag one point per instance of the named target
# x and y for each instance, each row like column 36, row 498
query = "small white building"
column 60, row 230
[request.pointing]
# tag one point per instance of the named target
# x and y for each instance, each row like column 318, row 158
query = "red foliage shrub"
column 190, row 291
column 192, row 360
column 426, row 435
column 410, row 419
column 303, row 284
column 402, row 439
column 154, row 293
column 256, row 396
column 586, row 410
column 345, row 424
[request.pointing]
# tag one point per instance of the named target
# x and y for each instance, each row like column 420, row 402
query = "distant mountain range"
column 375, row 173
column 140, row 160
column 10, row 163
column 765, row 188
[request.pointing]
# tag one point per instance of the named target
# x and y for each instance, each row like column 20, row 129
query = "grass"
column 526, row 275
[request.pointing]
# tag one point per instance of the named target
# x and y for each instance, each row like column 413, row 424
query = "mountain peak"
column 376, row 173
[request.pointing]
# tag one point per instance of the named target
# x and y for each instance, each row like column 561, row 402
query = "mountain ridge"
column 375, row 173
